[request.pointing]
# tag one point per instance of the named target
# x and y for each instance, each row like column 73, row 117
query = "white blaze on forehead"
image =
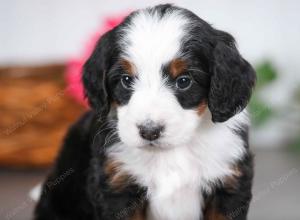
column 152, row 40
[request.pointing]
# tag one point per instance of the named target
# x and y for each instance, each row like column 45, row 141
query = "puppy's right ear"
column 232, row 81
column 95, row 73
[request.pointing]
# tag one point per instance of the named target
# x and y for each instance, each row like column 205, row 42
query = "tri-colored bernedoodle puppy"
column 167, row 135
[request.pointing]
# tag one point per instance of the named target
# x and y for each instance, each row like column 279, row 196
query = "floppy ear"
column 231, row 83
column 95, row 73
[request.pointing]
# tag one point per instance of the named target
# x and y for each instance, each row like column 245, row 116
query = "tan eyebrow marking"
column 177, row 67
column 128, row 67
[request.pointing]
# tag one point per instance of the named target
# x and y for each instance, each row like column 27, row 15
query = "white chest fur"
column 182, row 203
column 174, row 192
column 175, row 178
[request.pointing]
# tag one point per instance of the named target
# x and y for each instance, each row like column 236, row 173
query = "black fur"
column 222, row 77
column 78, row 187
column 85, row 193
column 96, row 72
column 231, row 84
column 68, row 199
column 213, row 53
column 232, row 200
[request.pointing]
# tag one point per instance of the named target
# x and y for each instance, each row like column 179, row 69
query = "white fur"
column 150, row 41
column 175, row 177
column 35, row 192
column 193, row 153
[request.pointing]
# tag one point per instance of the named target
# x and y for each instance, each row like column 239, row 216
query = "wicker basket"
column 35, row 113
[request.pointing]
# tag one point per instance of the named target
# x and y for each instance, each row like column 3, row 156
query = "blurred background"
column 44, row 43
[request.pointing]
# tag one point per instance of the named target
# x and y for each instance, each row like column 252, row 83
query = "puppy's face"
column 164, row 68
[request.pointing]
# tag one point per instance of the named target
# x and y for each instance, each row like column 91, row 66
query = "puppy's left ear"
column 231, row 83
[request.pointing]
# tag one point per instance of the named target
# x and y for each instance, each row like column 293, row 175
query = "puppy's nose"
column 150, row 130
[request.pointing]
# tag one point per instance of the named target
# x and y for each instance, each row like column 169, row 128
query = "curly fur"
column 200, row 168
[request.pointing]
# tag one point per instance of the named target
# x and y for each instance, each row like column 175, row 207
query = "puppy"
column 167, row 136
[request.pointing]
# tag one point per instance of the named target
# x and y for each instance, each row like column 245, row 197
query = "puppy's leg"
column 232, row 200
column 63, row 194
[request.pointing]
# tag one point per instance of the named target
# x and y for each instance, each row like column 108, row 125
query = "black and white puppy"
column 167, row 138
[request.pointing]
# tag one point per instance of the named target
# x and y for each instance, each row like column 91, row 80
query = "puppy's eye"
column 126, row 81
column 183, row 82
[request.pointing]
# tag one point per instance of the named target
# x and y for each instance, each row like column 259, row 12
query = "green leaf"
column 260, row 112
column 295, row 146
column 266, row 74
column 297, row 95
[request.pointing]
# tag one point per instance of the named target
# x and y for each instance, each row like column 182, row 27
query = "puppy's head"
column 164, row 68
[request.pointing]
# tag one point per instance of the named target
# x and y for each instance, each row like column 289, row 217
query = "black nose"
column 150, row 131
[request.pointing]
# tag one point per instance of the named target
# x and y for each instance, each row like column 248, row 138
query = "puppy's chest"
column 172, row 197
column 174, row 184
column 175, row 179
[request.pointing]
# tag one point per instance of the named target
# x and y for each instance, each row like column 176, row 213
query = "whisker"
column 111, row 136
column 111, row 124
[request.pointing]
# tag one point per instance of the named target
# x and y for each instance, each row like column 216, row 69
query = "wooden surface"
column 35, row 112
